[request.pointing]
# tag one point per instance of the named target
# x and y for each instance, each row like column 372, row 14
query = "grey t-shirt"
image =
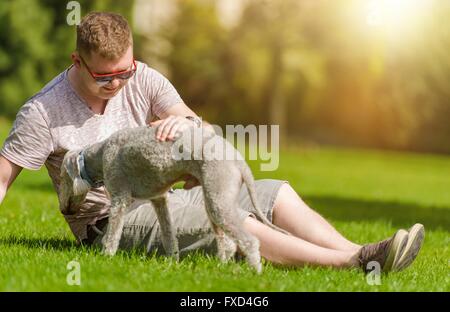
column 56, row 120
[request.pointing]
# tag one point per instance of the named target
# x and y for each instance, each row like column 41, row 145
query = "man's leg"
column 283, row 249
column 293, row 215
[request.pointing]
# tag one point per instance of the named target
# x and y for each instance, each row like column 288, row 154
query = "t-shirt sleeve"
column 29, row 142
column 159, row 90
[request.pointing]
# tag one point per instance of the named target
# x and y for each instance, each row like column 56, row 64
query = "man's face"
column 98, row 65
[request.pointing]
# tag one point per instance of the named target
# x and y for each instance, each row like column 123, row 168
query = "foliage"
column 35, row 44
column 317, row 69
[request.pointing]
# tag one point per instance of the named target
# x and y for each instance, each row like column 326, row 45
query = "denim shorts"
column 187, row 209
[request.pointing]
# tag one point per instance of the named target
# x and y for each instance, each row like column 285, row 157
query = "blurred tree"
column 237, row 75
column 35, row 44
column 25, row 58
column 419, row 81
column 196, row 56
column 314, row 66
column 317, row 68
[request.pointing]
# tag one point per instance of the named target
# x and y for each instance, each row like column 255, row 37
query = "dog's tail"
column 249, row 181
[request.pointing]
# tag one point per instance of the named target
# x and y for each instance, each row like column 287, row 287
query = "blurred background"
column 364, row 73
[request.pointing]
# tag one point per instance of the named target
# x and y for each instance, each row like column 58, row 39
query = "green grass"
column 366, row 195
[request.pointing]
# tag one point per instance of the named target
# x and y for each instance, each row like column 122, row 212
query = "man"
column 105, row 90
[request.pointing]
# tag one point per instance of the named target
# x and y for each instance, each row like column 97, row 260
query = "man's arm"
column 8, row 173
column 174, row 119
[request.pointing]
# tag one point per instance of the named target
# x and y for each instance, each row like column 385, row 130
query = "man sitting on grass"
column 106, row 89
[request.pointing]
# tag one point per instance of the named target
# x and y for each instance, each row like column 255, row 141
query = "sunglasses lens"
column 126, row 75
column 103, row 81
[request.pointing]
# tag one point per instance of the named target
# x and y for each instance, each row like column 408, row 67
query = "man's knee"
column 284, row 195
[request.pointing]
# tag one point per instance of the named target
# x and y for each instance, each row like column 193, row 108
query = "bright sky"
column 394, row 13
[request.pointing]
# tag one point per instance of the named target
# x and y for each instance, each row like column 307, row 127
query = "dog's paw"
column 175, row 256
column 109, row 251
column 258, row 268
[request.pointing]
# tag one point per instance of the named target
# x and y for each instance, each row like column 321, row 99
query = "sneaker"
column 415, row 239
column 386, row 252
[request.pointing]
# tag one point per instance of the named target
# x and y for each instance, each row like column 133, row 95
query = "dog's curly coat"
column 132, row 164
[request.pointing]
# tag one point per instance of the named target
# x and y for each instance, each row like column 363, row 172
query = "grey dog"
column 131, row 163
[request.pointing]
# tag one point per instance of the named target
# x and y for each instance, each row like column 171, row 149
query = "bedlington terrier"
column 131, row 163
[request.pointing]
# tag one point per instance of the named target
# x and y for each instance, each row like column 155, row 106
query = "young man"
column 105, row 90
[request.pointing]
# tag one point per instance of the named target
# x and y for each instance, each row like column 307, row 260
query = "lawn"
column 366, row 195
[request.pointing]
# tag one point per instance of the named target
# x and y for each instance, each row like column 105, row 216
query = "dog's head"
column 72, row 188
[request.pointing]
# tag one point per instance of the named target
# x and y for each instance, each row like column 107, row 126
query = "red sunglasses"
column 104, row 79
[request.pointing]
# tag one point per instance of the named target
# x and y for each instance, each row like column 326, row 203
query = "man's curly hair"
column 107, row 34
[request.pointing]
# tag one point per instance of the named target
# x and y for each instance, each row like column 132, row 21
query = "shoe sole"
column 416, row 236
column 396, row 249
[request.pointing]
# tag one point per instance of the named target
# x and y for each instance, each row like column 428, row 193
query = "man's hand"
column 167, row 129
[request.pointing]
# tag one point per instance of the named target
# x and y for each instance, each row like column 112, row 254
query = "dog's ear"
column 72, row 167
column 73, row 188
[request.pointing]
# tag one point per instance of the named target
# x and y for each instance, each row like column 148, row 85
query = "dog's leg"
column 119, row 204
column 226, row 247
column 168, row 233
column 248, row 244
column 221, row 204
